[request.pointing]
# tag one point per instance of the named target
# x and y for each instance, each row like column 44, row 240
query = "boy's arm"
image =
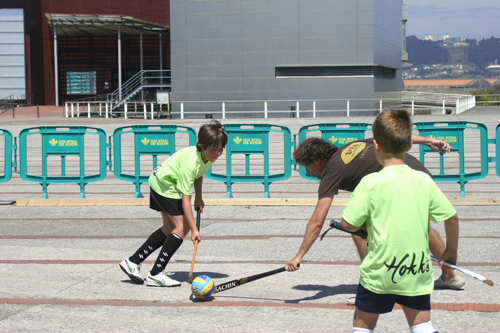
column 347, row 226
column 198, row 200
column 313, row 229
column 434, row 144
column 188, row 214
column 450, row 253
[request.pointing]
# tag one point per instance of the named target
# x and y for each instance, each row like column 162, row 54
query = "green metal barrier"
column 152, row 140
column 249, row 139
column 496, row 141
column 337, row 134
column 58, row 141
column 7, row 153
column 452, row 132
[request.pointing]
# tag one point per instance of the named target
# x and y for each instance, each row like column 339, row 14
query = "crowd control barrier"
column 147, row 140
column 337, row 134
column 8, row 164
column 62, row 142
column 452, row 132
column 251, row 139
column 497, row 148
column 255, row 153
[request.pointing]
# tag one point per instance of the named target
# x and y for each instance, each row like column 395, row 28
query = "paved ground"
column 60, row 264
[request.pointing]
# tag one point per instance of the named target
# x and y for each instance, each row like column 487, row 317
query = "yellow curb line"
column 226, row 202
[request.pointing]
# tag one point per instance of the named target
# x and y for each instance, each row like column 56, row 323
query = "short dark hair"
column 211, row 135
column 392, row 129
column 313, row 149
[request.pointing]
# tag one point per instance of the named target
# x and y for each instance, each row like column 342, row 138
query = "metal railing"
column 432, row 103
column 143, row 79
column 417, row 102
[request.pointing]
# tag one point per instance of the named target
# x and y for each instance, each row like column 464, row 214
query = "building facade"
column 284, row 50
column 219, row 50
column 79, row 51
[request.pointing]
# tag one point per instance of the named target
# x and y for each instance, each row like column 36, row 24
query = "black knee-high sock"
column 172, row 243
column 154, row 241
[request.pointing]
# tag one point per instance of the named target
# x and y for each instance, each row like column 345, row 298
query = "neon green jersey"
column 396, row 203
column 176, row 175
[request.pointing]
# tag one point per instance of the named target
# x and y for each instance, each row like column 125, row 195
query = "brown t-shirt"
column 352, row 162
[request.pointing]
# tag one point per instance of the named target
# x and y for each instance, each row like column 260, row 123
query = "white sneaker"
column 132, row 270
column 161, row 280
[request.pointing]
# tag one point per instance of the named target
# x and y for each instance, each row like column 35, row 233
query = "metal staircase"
column 137, row 83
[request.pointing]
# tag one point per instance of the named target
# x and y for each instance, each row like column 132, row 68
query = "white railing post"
column 125, row 104
column 444, row 106
column 144, row 110
column 298, row 109
column 412, row 106
column 380, row 106
column 223, row 110
column 78, row 109
column 314, row 109
column 182, row 110
column 265, row 110
column 152, row 110
column 457, row 106
column 100, row 109
column 348, row 108
column 66, row 107
column 88, row 108
column 107, row 104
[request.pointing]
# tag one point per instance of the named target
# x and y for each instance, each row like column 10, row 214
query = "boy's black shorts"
column 164, row 204
column 371, row 302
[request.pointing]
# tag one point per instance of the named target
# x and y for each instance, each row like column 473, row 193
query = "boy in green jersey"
column 171, row 185
column 394, row 206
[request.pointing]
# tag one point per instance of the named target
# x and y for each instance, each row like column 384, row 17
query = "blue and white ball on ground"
column 202, row 287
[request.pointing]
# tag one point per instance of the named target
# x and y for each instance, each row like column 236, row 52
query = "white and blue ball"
column 202, row 287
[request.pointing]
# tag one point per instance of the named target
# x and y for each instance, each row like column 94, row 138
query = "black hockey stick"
column 239, row 282
column 337, row 225
column 362, row 233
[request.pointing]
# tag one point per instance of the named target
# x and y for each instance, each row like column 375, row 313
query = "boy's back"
column 396, row 203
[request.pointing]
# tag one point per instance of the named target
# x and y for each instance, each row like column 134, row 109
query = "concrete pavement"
column 60, row 264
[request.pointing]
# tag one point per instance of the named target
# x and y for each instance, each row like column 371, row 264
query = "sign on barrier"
column 453, row 133
column 7, row 153
column 147, row 140
column 63, row 142
column 337, row 134
column 254, row 140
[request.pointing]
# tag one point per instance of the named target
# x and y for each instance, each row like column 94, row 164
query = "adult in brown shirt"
column 342, row 168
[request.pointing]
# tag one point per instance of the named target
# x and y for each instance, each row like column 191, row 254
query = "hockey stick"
column 239, row 282
column 363, row 234
column 198, row 217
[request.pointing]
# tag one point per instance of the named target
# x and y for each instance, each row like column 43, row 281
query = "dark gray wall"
column 228, row 50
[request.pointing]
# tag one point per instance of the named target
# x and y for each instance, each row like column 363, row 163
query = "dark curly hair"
column 313, row 149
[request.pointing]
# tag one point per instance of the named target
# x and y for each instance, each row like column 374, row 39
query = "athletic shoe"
column 132, row 270
column 161, row 280
column 456, row 283
column 351, row 300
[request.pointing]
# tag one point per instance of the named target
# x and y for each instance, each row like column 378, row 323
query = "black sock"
column 154, row 241
column 172, row 243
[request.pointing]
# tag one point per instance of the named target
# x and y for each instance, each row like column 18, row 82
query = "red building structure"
column 81, row 49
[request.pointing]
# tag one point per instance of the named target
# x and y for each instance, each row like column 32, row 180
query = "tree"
column 425, row 52
column 485, row 52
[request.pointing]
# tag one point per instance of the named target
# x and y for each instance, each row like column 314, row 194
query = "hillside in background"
column 476, row 56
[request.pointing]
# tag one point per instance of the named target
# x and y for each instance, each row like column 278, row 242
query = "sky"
column 457, row 18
